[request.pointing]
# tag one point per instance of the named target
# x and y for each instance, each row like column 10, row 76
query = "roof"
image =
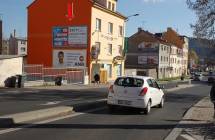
column 109, row 11
column 153, row 37
column 2, row 57
column 21, row 38
column 95, row 4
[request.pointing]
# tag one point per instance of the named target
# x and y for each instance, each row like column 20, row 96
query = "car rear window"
column 129, row 82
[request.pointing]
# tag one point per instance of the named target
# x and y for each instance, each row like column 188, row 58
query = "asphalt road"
column 23, row 100
column 124, row 124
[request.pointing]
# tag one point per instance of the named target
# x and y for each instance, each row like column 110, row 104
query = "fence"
column 44, row 74
column 33, row 72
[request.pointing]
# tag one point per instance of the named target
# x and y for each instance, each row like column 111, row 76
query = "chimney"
column 1, row 38
column 169, row 29
column 140, row 29
column 14, row 33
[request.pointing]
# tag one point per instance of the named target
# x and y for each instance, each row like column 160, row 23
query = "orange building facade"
column 62, row 34
column 46, row 16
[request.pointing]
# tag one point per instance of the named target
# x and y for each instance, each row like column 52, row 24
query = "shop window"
column 108, row 67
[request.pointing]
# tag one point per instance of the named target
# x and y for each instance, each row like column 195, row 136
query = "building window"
column 120, row 30
column 120, row 50
column 110, row 28
column 22, row 49
column 109, row 5
column 110, row 49
column 98, row 24
column 23, row 42
column 161, row 58
column 113, row 7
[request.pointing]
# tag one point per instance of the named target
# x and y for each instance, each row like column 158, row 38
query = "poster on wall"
column 147, row 45
column 149, row 60
column 77, row 36
column 72, row 37
column 60, row 36
column 69, row 58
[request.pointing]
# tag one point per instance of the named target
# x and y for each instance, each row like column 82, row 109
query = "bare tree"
column 205, row 11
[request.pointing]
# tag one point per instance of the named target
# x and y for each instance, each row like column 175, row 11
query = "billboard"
column 77, row 36
column 72, row 37
column 60, row 36
column 69, row 58
column 148, row 60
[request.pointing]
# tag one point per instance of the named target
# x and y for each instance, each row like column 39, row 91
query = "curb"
column 174, row 134
column 35, row 115
column 43, row 114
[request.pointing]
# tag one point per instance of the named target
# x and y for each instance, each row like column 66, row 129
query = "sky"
column 155, row 16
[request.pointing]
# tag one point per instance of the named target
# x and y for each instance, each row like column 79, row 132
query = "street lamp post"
column 127, row 19
column 131, row 16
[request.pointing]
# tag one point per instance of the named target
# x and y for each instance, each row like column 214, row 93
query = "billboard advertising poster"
column 149, row 60
column 77, row 36
column 60, row 36
column 69, row 58
column 72, row 37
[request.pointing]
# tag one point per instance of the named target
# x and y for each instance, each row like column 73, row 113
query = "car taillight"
column 111, row 89
column 143, row 91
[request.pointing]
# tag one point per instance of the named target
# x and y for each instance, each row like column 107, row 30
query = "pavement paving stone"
column 202, row 125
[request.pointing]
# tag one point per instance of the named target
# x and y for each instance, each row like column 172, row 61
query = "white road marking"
column 51, row 103
column 48, row 121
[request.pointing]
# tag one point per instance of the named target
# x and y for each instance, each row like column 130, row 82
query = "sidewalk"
column 73, row 86
column 201, row 118
column 197, row 124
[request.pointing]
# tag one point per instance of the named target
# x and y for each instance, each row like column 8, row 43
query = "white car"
column 135, row 91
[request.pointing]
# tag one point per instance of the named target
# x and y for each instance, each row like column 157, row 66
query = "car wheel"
column 111, row 108
column 161, row 105
column 148, row 108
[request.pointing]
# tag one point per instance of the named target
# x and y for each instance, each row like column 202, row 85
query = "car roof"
column 140, row 77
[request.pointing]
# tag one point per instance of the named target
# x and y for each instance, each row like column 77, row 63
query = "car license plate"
column 124, row 102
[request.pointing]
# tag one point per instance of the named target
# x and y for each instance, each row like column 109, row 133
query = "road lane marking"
column 49, row 120
column 51, row 103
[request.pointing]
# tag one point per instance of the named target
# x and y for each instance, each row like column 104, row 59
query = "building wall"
column 185, row 55
column 22, row 47
column 5, row 47
column 105, row 38
column 13, row 46
column 164, row 58
column 43, row 16
column 176, row 62
column 10, row 67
